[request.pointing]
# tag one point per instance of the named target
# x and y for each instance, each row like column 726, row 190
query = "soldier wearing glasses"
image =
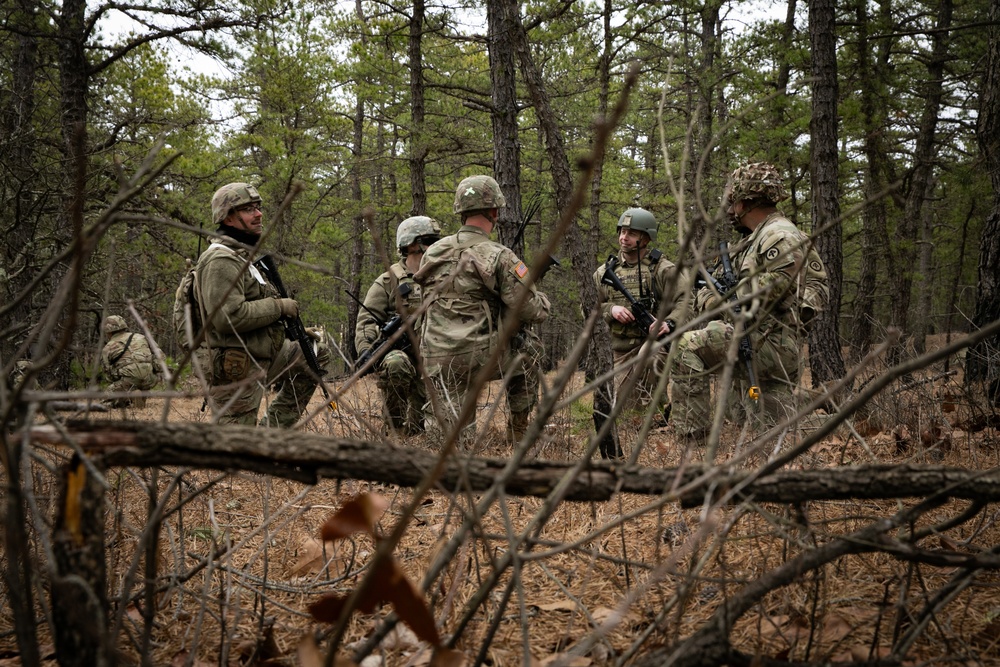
column 242, row 312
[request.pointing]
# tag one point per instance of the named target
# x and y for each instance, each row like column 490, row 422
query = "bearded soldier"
column 242, row 312
column 402, row 389
column 783, row 284
column 127, row 362
column 652, row 280
column 471, row 285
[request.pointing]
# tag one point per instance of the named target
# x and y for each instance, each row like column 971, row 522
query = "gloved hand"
column 315, row 332
column 288, row 307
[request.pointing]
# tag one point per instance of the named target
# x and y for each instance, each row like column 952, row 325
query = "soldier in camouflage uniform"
column 470, row 284
column 651, row 279
column 242, row 312
column 777, row 264
column 402, row 389
column 127, row 362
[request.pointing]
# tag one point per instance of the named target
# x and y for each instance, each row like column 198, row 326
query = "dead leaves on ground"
column 387, row 583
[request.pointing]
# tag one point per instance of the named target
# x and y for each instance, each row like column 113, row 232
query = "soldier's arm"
column 602, row 296
column 378, row 301
column 512, row 273
column 232, row 312
column 778, row 255
column 677, row 285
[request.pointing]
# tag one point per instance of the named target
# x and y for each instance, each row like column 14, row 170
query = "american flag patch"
column 521, row 270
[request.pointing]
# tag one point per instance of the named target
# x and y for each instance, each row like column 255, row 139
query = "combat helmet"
column 756, row 180
column 229, row 197
column 640, row 220
column 114, row 324
column 477, row 193
column 416, row 227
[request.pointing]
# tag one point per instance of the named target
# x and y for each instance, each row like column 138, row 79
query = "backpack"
column 186, row 309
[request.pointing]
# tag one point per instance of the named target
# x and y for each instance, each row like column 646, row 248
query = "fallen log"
column 308, row 457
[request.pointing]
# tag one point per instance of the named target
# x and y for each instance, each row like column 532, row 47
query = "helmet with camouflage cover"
column 756, row 180
column 229, row 197
column 114, row 324
column 415, row 227
column 477, row 193
column 640, row 220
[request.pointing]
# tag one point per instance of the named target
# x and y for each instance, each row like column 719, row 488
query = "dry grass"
column 244, row 548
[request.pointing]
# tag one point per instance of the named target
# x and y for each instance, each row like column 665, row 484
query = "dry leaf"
column 566, row 661
column 443, row 657
column 389, row 584
column 310, row 558
column 835, row 628
column 562, row 605
column 357, row 515
column 948, row 543
column 602, row 614
column 181, row 657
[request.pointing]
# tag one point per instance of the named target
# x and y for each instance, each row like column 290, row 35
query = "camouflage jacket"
column 381, row 300
column 248, row 316
column 659, row 280
column 127, row 355
column 471, row 283
column 778, row 264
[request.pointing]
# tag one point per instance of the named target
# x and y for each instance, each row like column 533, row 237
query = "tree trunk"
column 79, row 590
column 506, row 145
column 873, row 217
column 598, row 360
column 825, row 358
column 983, row 359
column 922, row 326
column 418, row 148
column 922, row 168
column 358, row 243
column 17, row 154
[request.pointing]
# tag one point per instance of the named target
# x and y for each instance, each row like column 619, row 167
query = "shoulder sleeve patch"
column 772, row 254
column 520, row 270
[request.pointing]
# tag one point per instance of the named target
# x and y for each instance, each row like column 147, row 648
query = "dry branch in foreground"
column 307, row 457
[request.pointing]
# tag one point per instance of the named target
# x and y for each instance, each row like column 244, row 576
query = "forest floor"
column 244, row 553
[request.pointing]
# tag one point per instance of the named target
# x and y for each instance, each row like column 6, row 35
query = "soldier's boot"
column 396, row 408
column 517, row 426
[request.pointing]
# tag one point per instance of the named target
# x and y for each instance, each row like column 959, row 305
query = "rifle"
column 534, row 204
column 387, row 329
column 294, row 329
column 643, row 317
column 729, row 285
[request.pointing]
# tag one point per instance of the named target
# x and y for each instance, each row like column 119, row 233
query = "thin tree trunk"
column 598, row 360
column 825, row 357
column 506, row 144
column 358, row 243
column 922, row 169
column 418, row 149
column 983, row 359
column 922, row 326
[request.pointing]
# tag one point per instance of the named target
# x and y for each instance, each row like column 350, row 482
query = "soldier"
column 127, row 362
column 401, row 387
column 651, row 279
column 242, row 313
column 470, row 284
column 776, row 263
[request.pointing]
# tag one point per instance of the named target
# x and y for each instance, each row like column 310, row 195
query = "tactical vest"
column 640, row 282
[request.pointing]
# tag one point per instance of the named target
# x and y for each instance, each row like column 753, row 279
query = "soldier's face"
column 247, row 218
column 631, row 240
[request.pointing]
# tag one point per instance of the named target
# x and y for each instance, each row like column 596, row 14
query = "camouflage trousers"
column 702, row 353
column 403, row 393
column 239, row 382
column 643, row 394
column 452, row 376
column 132, row 377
